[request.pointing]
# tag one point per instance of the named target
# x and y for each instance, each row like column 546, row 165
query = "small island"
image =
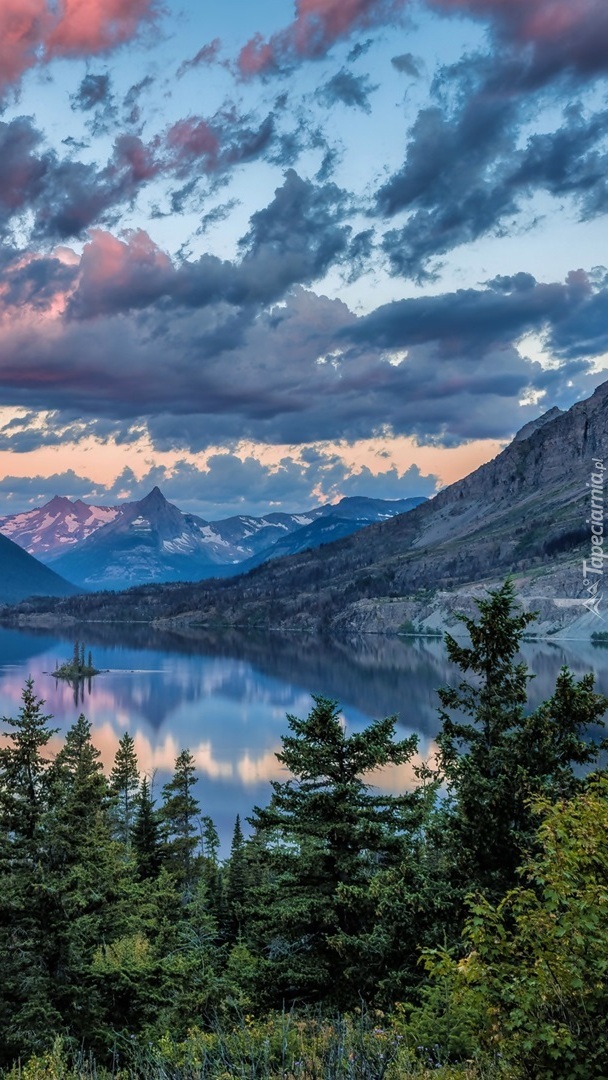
column 77, row 667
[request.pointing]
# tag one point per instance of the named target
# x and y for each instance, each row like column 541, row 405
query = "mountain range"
column 526, row 513
column 151, row 540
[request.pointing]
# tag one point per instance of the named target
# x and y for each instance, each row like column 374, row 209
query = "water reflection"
column 225, row 696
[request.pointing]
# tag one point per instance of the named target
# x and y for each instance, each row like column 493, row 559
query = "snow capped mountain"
column 152, row 540
column 58, row 525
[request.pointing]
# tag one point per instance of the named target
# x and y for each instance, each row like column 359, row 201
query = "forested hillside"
column 458, row 928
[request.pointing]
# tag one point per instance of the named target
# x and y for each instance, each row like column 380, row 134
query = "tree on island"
column 77, row 667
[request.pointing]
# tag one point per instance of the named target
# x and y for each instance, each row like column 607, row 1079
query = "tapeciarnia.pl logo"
column 593, row 565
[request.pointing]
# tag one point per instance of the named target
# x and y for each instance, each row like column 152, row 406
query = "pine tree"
column 236, row 881
column 211, row 871
column 324, row 832
column 84, row 883
column 500, row 757
column 146, row 835
column 124, row 783
column 27, row 1011
column 179, row 816
column 23, row 768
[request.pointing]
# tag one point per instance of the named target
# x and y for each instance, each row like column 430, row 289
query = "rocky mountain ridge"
column 151, row 540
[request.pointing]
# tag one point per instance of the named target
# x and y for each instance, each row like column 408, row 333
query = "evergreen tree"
column 324, row 831
column 211, row 870
column 500, row 757
column 23, row 767
column 179, row 816
column 84, row 884
column 27, row 1011
column 236, row 882
column 124, row 783
column 146, row 835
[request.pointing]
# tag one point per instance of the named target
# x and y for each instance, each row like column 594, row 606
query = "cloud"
column 407, row 64
column 94, row 96
column 95, row 27
column 559, row 35
column 317, row 26
column 206, row 55
column 505, row 310
column 296, row 238
column 198, row 354
column 470, row 170
column 452, row 181
column 351, row 90
column 33, row 31
column 556, row 36
column 226, row 486
column 36, row 282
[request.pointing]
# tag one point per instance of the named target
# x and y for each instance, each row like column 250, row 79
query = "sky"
column 268, row 255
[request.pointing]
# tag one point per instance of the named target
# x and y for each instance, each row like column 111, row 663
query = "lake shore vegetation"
column 458, row 929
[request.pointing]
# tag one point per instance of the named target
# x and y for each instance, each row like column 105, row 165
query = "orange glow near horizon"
column 101, row 464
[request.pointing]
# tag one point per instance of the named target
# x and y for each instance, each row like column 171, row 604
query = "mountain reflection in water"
column 225, row 695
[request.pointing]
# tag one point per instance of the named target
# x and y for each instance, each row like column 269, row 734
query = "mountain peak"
column 528, row 429
column 59, row 504
column 154, row 497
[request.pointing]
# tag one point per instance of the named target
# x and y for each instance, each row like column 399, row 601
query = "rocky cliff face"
column 524, row 513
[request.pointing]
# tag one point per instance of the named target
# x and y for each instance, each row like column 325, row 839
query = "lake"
column 225, row 696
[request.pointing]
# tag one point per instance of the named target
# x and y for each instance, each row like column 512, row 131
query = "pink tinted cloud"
column 317, row 25
column 23, row 24
column 86, row 27
column 133, row 270
column 190, row 139
column 35, row 30
column 564, row 33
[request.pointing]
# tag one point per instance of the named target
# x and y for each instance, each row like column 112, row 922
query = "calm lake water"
column 225, row 697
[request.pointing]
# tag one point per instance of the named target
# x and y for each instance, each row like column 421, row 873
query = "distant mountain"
column 333, row 523
column 50, row 530
column 22, row 576
column 153, row 541
column 526, row 513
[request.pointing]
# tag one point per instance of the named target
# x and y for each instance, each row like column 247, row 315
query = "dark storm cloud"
column 306, row 370
column 293, row 240
column 451, row 182
column 349, row 89
column 22, row 168
column 472, row 319
column 64, row 196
